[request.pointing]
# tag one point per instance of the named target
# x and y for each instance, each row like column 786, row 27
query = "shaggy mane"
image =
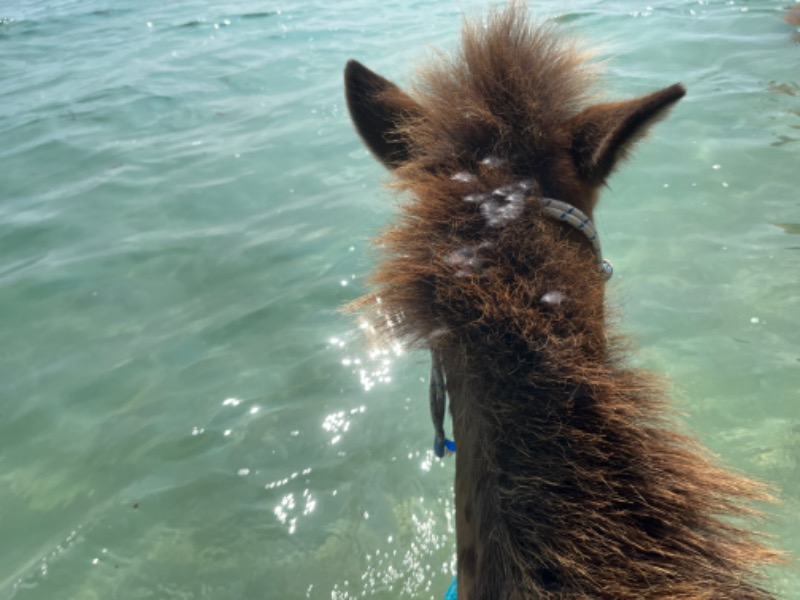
column 506, row 92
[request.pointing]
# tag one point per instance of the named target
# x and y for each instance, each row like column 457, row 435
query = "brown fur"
column 571, row 481
column 792, row 16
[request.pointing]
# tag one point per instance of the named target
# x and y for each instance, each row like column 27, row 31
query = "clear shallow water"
column 183, row 207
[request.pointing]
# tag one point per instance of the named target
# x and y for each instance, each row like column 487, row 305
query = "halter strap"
column 561, row 211
column 437, row 392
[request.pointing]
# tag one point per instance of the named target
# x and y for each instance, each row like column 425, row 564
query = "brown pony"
column 571, row 480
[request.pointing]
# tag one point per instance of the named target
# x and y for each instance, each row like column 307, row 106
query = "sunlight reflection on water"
column 402, row 564
column 373, row 367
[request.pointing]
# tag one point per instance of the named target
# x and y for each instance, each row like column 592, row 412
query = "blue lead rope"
column 442, row 446
column 452, row 591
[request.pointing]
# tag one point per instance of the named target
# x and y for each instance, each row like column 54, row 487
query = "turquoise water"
column 183, row 207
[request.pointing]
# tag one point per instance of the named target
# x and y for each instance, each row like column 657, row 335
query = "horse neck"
column 569, row 484
column 513, row 378
column 504, row 427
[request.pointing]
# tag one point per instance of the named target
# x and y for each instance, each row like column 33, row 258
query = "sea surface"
column 184, row 206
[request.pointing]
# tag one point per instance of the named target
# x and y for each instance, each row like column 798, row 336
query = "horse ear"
column 378, row 107
column 603, row 134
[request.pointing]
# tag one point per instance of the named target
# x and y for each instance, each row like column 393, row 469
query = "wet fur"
column 571, row 478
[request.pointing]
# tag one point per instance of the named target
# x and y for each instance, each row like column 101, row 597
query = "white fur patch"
column 492, row 161
column 467, row 261
column 464, row 177
column 497, row 214
column 553, row 298
column 503, row 204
